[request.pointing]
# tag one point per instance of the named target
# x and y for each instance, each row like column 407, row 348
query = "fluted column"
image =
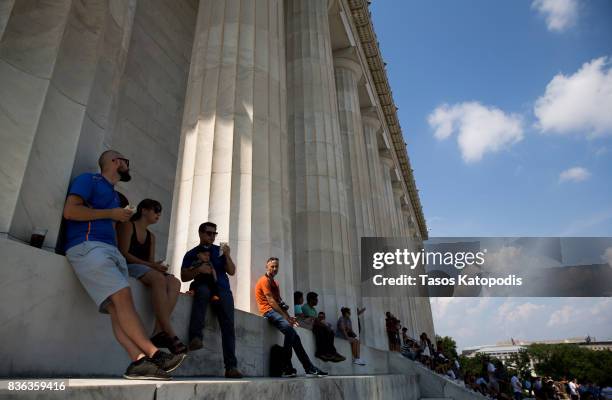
column 398, row 192
column 52, row 55
column 233, row 156
column 371, row 127
column 322, row 251
column 388, row 166
column 359, row 187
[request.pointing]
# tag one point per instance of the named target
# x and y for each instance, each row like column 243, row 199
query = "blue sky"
column 507, row 111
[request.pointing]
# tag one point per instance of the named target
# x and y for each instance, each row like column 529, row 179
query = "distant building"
column 503, row 350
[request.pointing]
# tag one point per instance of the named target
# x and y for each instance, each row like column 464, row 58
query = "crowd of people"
column 107, row 240
column 324, row 333
column 496, row 382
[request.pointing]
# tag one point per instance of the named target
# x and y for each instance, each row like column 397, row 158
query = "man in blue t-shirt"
column 224, row 308
column 91, row 210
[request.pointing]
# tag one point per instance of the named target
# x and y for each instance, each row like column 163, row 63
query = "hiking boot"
column 195, row 344
column 145, row 368
column 233, row 373
column 315, row 372
column 166, row 361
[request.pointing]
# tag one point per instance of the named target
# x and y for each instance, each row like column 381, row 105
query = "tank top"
column 140, row 250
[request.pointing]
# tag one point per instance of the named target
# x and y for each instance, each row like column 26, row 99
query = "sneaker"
column 145, row 368
column 315, row 372
column 338, row 358
column 166, row 361
column 161, row 340
column 289, row 373
column 195, row 344
column 325, row 357
column 233, row 373
column 359, row 361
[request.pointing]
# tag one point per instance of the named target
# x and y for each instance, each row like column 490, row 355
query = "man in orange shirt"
column 272, row 307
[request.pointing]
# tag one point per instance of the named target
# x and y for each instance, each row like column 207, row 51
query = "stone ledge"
column 336, row 387
column 51, row 328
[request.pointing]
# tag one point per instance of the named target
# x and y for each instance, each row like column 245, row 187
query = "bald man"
column 91, row 210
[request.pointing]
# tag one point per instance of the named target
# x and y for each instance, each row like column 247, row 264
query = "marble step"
column 367, row 387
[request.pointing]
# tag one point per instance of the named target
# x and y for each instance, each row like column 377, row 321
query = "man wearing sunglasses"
column 91, row 211
column 224, row 308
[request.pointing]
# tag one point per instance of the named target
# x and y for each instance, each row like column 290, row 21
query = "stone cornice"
column 362, row 21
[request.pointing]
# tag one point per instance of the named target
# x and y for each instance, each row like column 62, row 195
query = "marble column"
column 322, row 261
column 390, row 214
column 359, row 187
column 398, row 192
column 371, row 129
column 233, row 152
column 51, row 54
column 28, row 51
column 6, row 7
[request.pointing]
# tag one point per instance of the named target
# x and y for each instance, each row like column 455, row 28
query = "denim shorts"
column 101, row 269
column 138, row 270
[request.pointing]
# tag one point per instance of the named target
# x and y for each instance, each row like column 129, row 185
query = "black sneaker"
column 315, row 372
column 145, row 369
column 166, row 361
column 289, row 373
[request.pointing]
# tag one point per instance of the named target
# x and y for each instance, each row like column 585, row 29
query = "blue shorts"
column 138, row 270
column 101, row 269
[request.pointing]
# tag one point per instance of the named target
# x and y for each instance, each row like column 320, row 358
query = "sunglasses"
column 157, row 210
column 127, row 162
column 211, row 233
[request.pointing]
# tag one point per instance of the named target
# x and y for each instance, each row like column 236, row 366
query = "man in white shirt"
column 573, row 387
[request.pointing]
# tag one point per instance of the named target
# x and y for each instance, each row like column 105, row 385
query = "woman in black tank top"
column 137, row 244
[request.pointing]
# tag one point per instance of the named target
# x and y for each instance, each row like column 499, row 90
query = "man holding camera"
column 274, row 309
column 223, row 306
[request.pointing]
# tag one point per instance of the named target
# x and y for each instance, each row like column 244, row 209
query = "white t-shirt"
column 572, row 388
column 516, row 384
column 490, row 368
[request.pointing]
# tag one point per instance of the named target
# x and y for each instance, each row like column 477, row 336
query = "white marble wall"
column 43, row 189
column 108, row 74
column 29, row 49
column 322, row 249
column 146, row 112
column 234, row 148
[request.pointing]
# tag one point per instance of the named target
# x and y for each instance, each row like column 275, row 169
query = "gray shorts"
column 101, row 269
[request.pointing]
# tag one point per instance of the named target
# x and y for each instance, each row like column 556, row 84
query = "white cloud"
column 581, row 102
column 481, row 129
column 574, row 174
column 608, row 256
column 510, row 312
column 559, row 14
column 563, row 316
column 601, row 151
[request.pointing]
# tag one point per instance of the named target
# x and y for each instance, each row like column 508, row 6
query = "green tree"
column 449, row 346
column 572, row 361
column 520, row 364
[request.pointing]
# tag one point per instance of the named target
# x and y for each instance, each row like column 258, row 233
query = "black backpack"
column 279, row 360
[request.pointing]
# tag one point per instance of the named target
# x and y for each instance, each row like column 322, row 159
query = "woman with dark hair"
column 137, row 244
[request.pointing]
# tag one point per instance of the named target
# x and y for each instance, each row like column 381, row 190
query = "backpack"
column 279, row 360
